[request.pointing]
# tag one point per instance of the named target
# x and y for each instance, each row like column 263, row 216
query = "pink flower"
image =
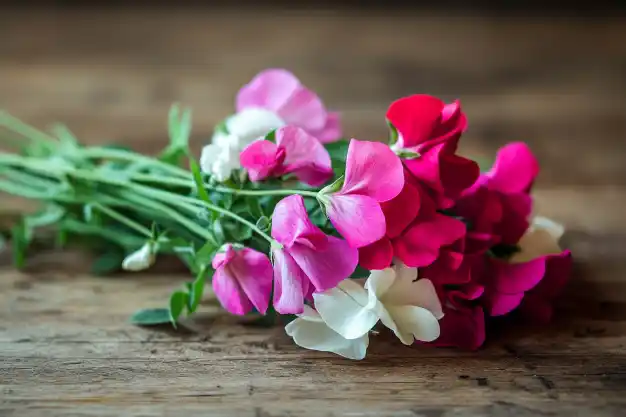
column 295, row 151
column 499, row 202
column 308, row 261
column 242, row 279
column 430, row 129
column 539, row 258
column 280, row 92
column 374, row 174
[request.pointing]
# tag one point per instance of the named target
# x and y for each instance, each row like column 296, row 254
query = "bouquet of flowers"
column 284, row 217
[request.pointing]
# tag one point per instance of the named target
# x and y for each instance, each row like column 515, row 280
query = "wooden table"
column 65, row 346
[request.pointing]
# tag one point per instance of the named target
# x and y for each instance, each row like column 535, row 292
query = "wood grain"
column 65, row 346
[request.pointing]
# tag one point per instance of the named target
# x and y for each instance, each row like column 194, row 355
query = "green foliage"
column 338, row 152
column 20, row 240
column 109, row 262
column 178, row 303
column 393, row 134
column 151, row 316
column 179, row 128
column 404, row 154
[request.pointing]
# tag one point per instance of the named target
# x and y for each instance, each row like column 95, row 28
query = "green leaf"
column 151, row 316
column 393, row 133
column 360, row 272
column 155, row 231
column 404, row 154
column 178, row 303
column 185, row 252
column 20, row 239
column 197, row 178
column 197, row 290
column 50, row 215
column 263, row 223
column 271, row 136
column 338, row 150
column 254, row 207
column 236, row 232
column 218, row 231
column 67, row 138
column 204, row 256
column 334, row 187
column 108, row 263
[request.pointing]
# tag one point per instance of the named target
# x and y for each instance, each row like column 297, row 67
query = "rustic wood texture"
column 65, row 346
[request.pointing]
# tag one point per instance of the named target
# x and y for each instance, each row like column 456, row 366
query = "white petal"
column 346, row 310
column 140, row 259
column 210, row 154
column 420, row 293
column 379, row 282
column 310, row 332
column 414, row 322
column 540, row 240
column 252, row 123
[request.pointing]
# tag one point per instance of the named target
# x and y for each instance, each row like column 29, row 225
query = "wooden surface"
column 65, row 346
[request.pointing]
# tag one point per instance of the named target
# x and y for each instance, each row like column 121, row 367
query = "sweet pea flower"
column 374, row 174
column 221, row 159
column 499, row 202
column 408, row 306
column 428, row 133
column 509, row 280
column 295, row 151
column 309, row 331
column 141, row 259
column 242, row 279
column 285, row 101
column 308, row 260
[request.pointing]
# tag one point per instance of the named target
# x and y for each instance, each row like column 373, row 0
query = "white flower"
column 249, row 125
column 220, row 160
column 541, row 239
column 141, row 259
column 406, row 305
column 310, row 332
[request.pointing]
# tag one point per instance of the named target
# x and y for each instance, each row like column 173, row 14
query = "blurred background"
column 551, row 75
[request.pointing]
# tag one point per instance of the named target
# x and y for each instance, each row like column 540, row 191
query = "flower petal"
column 377, row 255
column 413, row 323
column 514, row 170
column 259, row 158
column 516, row 278
column 310, row 332
column 254, row 273
column 408, row 290
column 401, row 210
column 331, row 132
column 415, row 117
column 326, row 267
column 306, row 157
column 464, row 329
column 374, row 170
column 290, row 222
column 345, row 309
column 290, row 284
column 358, row 218
column 229, row 292
column 379, row 282
column 280, row 91
column 251, row 124
column 499, row 304
column 419, row 245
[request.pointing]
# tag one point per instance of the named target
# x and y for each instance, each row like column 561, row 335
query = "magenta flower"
column 281, row 93
column 295, row 152
column 308, row 261
column 499, row 202
column 242, row 279
column 430, row 128
column 374, row 174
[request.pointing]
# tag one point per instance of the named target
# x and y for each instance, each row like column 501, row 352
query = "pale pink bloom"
column 374, row 174
column 242, row 279
column 308, row 261
column 295, row 152
column 279, row 91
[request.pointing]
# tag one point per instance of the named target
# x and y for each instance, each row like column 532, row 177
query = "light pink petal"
column 331, row 132
column 401, row 210
column 290, row 222
column 373, row 170
column 259, row 158
column 229, row 292
column 415, row 117
column 305, row 156
column 377, row 255
column 326, row 268
column 514, row 170
column 358, row 218
column 254, row 272
column 221, row 258
column 420, row 244
column 290, row 284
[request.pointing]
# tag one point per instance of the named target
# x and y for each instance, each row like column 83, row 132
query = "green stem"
column 115, row 215
column 224, row 190
column 106, row 153
column 25, row 130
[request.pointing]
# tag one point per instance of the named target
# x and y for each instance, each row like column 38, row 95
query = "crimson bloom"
column 374, row 174
column 295, row 151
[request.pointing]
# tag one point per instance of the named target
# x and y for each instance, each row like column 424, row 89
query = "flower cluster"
column 446, row 246
column 344, row 237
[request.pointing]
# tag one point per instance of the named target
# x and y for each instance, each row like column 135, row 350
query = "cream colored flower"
column 541, row 239
column 141, row 259
column 408, row 306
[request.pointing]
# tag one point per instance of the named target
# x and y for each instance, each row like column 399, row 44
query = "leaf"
column 197, row 290
column 404, row 154
column 360, row 272
column 393, row 134
column 236, row 232
column 263, row 223
column 20, row 239
column 151, row 316
column 108, row 263
column 155, row 231
column 218, row 231
column 197, row 178
column 50, row 215
column 67, row 138
column 185, row 252
column 178, row 303
column 254, row 207
column 204, row 256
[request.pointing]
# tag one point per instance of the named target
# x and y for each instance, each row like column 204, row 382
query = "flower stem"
column 115, row 215
column 107, row 153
